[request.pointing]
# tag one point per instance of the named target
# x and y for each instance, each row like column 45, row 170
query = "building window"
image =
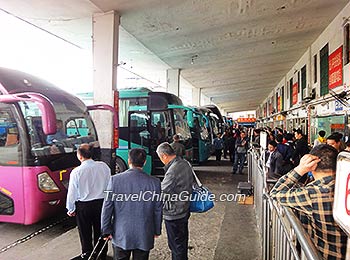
column 291, row 92
column 276, row 102
column 282, row 98
column 324, row 70
column 303, row 82
column 315, row 68
column 346, row 44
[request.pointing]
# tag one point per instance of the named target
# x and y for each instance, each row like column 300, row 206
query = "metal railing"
column 282, row 234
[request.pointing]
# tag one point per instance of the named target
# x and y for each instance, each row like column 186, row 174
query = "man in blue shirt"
column 85, row 198
column 132, row 210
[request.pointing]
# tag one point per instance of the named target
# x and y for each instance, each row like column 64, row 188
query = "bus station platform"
column 228, row 231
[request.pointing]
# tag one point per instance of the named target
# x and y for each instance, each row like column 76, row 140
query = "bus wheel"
column 119, row 165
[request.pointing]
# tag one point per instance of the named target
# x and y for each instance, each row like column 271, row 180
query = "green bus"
column 202, row 137
column 147, row 119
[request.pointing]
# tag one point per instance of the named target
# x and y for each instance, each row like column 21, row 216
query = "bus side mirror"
column 109, row 108
column 44, row 104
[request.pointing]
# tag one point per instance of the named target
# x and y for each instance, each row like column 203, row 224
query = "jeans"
column 239, row 162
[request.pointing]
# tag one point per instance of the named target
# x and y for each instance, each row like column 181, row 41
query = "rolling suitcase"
column 97, row 251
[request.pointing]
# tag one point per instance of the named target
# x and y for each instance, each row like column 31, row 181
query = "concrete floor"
column 228, row 231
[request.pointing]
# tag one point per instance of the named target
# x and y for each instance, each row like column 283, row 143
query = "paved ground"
column 228, row 231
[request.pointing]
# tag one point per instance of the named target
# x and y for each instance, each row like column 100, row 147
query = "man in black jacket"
column 274, row 161
column 301, row 147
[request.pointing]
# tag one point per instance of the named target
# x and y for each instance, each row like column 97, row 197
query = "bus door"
column 139, row 134
column 162, row 130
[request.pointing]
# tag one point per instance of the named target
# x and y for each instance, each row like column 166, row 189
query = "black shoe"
column 233, row 172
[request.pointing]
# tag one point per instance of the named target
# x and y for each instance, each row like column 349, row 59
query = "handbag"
column 202, row 199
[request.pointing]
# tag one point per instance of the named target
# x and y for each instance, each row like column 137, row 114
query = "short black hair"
column 299, row 131
column 257, row 131
column 288, row 136
column 85, row 150
column 137, row 157
column 279, row 138
column 273, row 143
column 336, row 137
column 328, row 157
column 322, row 133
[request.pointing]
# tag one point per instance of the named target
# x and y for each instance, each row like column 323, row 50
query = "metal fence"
column 282, row 234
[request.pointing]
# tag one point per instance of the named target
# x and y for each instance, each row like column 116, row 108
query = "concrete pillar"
column 173, row 81
column 205, row 100
column 105, row 59
column 196, row 96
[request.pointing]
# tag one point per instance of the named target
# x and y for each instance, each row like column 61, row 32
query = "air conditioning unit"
column 305, row 94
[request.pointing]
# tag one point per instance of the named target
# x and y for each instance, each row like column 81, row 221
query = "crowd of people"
column 305, row 181
column 303, row 178
column 131, row 223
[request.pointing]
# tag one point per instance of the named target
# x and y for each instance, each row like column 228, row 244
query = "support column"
column 173, row 81
column 196, row 96
column 205, row 100
column 105, row 59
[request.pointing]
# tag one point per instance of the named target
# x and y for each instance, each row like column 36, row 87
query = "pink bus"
column 41, row 127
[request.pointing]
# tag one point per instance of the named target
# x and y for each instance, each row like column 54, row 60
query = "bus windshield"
column 74, row 127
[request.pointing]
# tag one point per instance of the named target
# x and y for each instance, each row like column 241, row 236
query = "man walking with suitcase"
column 132, row 210
column 85, row 198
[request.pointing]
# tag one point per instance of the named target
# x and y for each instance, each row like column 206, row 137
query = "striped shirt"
column 314, row 203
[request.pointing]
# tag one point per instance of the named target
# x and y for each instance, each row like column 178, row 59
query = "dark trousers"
column 137, row 254
column 88, row 219
column 177, row 231
column 232, row 155
column 239, row 162
column 225, row 151
column 218, row 153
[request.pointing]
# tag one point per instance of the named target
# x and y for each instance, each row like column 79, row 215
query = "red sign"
column 116, row 130
column 295, row 93
column 335, row 69
column 347, row 194
column 246, row 120
column 337, row 126
column 279, row 104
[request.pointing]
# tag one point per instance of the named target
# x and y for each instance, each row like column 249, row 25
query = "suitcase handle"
column 95, row 255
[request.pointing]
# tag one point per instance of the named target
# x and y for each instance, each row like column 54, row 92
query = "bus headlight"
column 46, row 183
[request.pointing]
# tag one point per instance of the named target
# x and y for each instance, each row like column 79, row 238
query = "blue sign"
column 338, row 106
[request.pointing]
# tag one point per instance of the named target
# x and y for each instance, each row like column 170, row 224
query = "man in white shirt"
column 85, row 198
